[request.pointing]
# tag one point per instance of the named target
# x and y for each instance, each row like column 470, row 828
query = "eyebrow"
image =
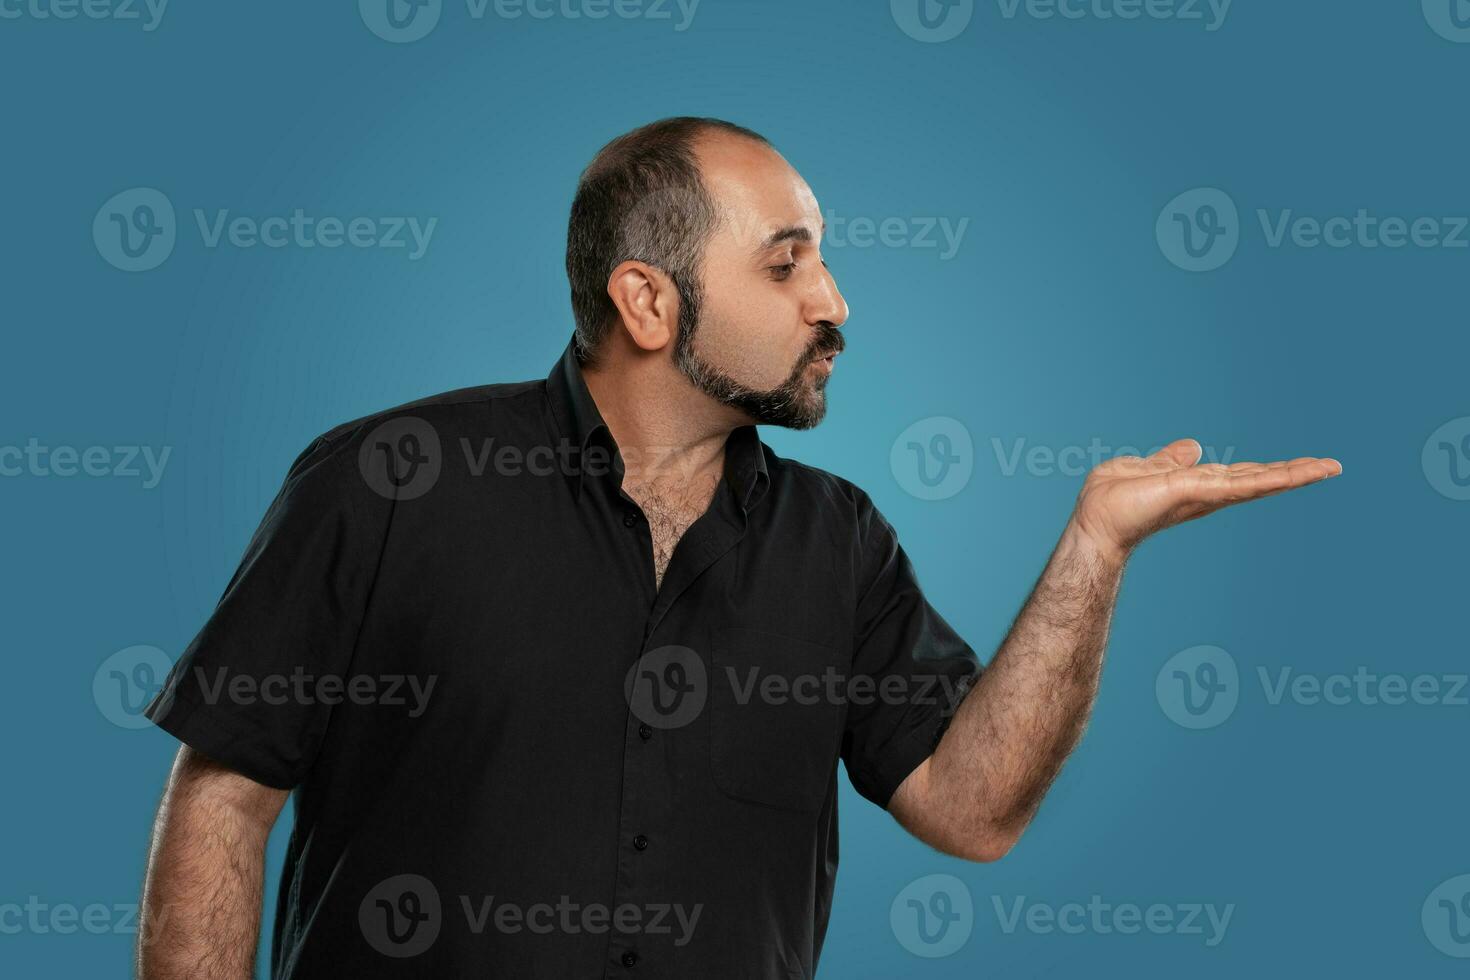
column 791, row 233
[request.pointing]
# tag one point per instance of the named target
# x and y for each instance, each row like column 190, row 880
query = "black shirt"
column 511, row 755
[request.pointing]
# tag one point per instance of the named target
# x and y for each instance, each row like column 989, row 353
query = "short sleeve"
column 920, row 668
column 289, row 615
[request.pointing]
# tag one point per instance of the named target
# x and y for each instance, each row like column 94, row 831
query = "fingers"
column 1237, row 469
column 1312, row 467
column 1248, row 481
column 1181, row 459
column 1297, row 473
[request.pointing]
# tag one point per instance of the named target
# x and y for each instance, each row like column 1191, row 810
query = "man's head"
column 693, row 239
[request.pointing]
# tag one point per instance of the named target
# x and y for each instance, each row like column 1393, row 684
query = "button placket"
column 638, row 766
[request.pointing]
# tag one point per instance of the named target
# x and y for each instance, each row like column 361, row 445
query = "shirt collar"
column 579, row 422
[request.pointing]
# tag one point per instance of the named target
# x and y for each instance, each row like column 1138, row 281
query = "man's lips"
column 826, row 356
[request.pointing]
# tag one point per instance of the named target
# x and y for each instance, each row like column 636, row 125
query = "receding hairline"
column 701, row 134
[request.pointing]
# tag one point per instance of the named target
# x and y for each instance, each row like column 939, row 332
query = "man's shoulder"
column 834, row 506
column 805, row 479
column 431, row 423
column 448, row 412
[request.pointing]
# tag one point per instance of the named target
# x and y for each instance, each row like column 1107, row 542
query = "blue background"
column 1059, row 320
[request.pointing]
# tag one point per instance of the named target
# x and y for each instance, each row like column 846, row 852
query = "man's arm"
column 1006, row 744
column 200, row 918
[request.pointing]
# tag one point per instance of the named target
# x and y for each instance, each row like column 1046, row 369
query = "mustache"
column 829, row 340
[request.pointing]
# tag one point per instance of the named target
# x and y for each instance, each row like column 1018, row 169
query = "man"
column 628, row 642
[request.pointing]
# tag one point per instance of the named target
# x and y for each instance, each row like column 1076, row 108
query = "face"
column 760, row 334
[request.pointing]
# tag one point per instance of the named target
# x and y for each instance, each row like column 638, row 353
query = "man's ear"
column 647, row 302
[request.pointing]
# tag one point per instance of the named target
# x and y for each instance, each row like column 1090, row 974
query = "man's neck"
column 668, row 431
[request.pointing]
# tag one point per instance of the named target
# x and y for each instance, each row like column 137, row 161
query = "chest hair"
column 670, row 508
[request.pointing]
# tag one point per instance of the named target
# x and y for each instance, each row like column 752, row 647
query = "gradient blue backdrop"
column 1059, row 320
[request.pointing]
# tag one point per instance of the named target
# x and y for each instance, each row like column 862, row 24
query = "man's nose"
column 827, row 303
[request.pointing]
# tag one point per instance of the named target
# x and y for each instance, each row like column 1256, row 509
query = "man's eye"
column 779, row 272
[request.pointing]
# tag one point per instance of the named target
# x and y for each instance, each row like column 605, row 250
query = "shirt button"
column 629, row 519
column 640, row 842
column 630, row 958
column 645, row 732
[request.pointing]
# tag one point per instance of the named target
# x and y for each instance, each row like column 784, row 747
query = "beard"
column 799, row 402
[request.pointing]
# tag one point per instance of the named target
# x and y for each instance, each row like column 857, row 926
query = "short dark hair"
column 640, row 198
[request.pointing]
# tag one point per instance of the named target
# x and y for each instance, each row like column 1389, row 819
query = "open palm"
column 1127, row 498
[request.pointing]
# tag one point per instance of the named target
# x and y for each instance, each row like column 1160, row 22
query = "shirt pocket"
column 775, row 713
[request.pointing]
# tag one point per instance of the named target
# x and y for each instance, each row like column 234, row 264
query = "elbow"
column 988, row 844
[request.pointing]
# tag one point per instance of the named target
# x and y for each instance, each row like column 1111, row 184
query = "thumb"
column 1179, row 453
